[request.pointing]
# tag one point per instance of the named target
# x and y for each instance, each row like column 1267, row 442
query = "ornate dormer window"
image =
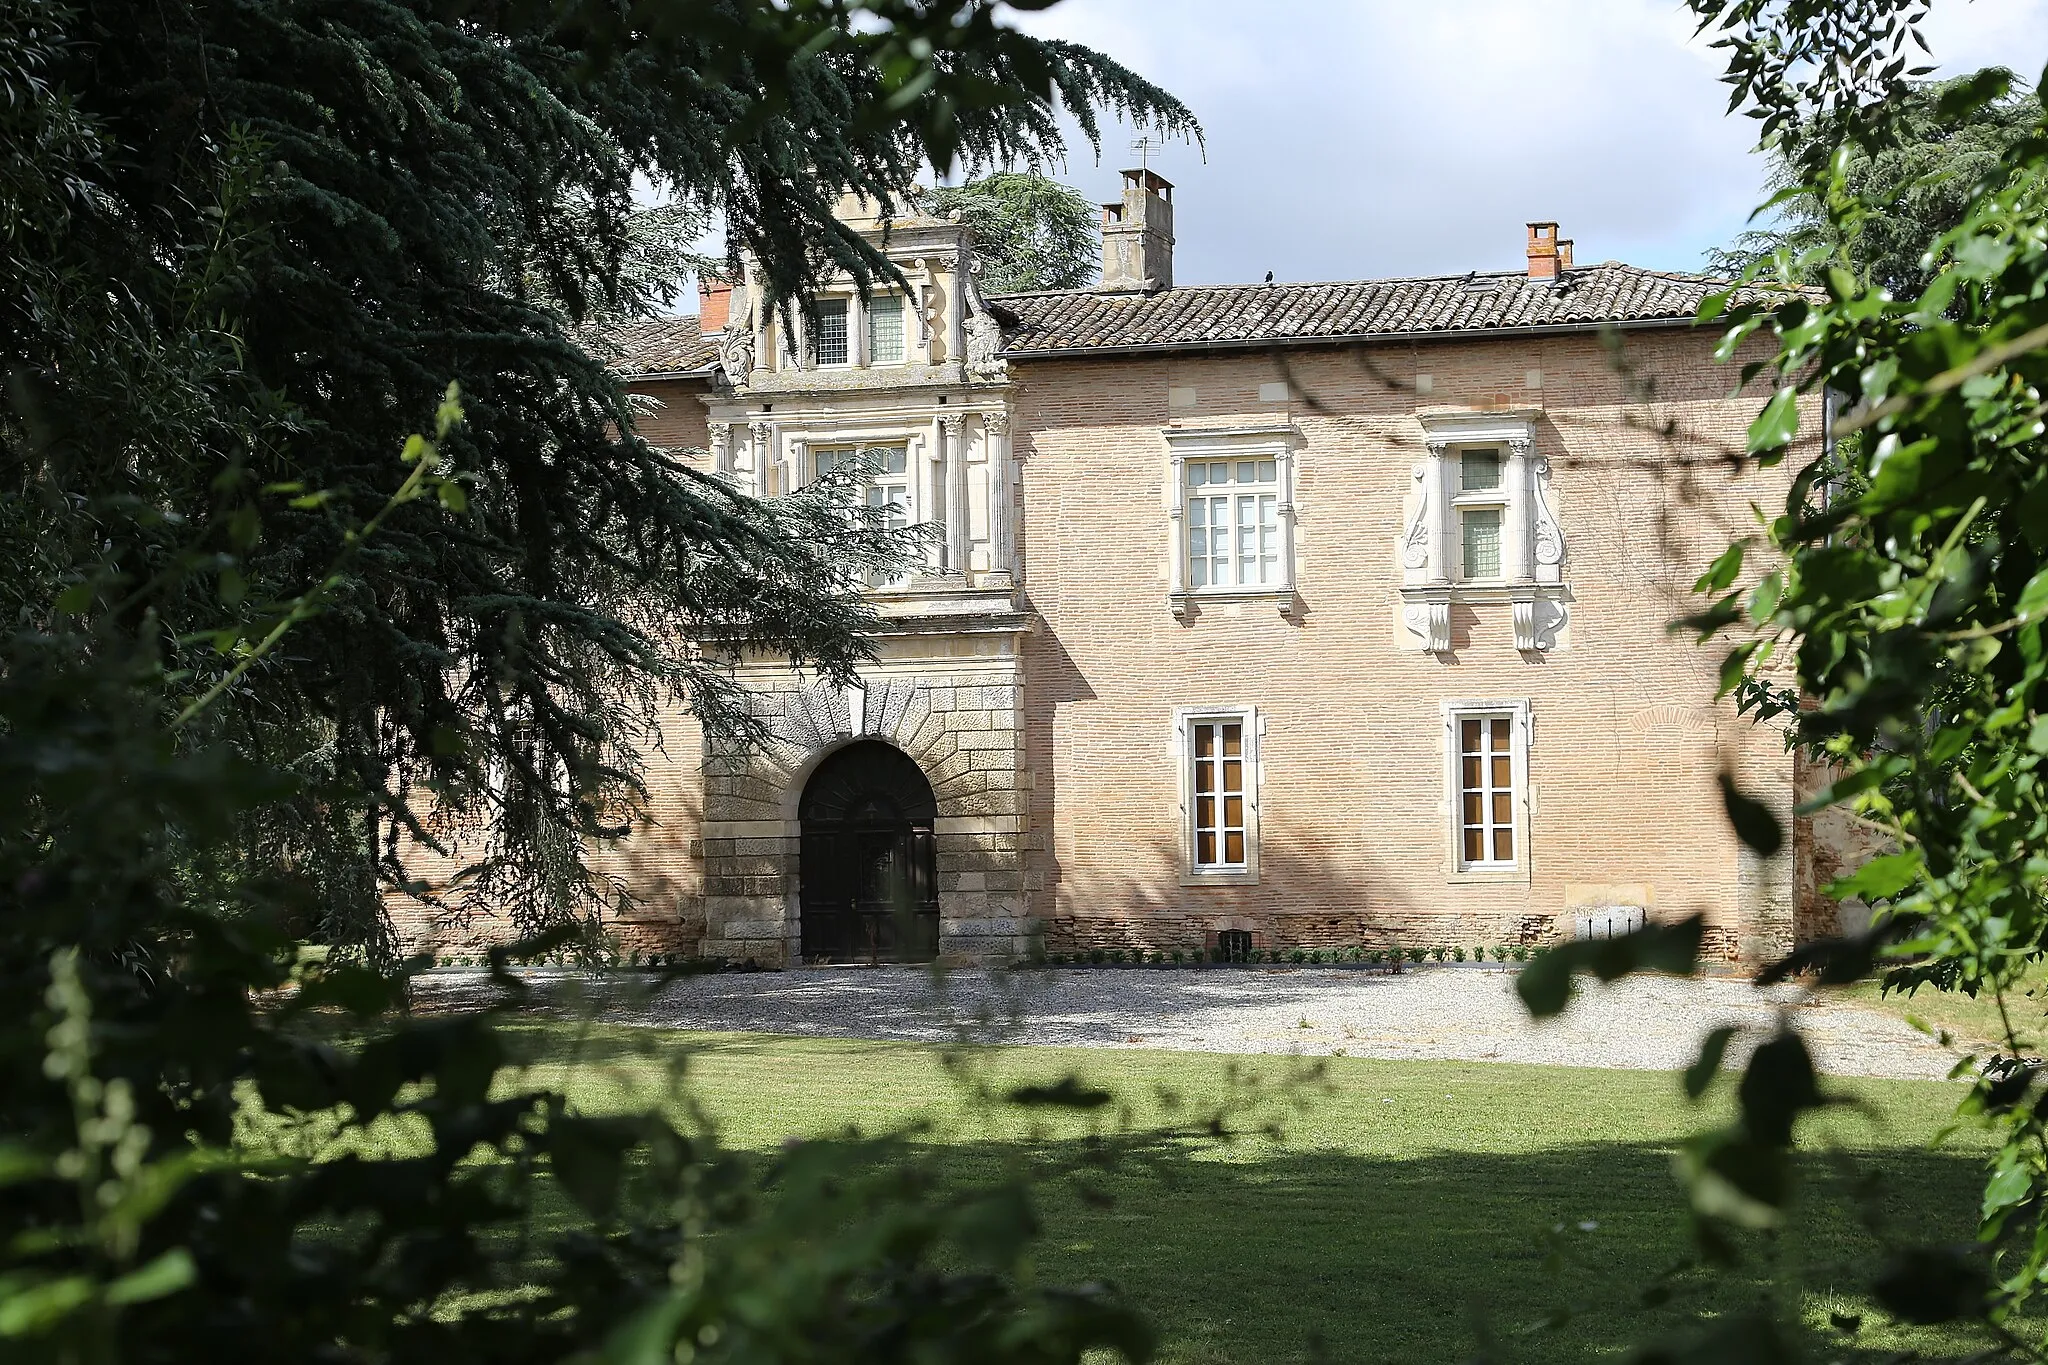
column 1479, row 531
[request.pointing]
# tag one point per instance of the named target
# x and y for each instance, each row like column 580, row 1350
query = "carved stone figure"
column 736, row 343
column 984, row 333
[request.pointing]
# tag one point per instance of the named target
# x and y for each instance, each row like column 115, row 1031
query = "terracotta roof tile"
column 651, row 346
column 1082, row 320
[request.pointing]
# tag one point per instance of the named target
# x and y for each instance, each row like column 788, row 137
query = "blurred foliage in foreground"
column 248, row 245
column 1893, row 616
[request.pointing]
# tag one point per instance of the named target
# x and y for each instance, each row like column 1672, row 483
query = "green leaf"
column 452, row 497
column 590, row 1158
column 2011, row 1183
column 1545, row 985
column 1752, row 821
column 647, row 1337
column 1778, row 1086
column 19, row 1163
column 1881, row 878
column 1777, row 424
column 1763, row 603
column 2033, row 598
column 233, row 587
column 1722, row 571
column 167, row 1274
column 1701, row 1073
column 26, row 1310
column 75, row 600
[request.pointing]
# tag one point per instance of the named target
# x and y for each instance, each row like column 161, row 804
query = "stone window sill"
column 1190, row 603
column 1246, row 877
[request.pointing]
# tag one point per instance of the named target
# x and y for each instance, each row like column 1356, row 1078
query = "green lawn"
column 1398, row 1206
column 1971, row 1019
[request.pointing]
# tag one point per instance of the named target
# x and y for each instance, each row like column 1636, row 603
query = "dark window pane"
column 1503, row 845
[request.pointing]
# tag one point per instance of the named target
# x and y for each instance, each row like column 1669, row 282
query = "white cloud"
column 1372, row 138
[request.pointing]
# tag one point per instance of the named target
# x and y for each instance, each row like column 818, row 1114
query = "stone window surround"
column 1181, row 751
column 1520, row 710
column 936, row 443
column 916, row 332
column 1532, row 544
column 1276, row 443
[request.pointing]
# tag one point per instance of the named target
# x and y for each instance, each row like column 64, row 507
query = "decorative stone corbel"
column 1427, row 615
column 1539, row 616
column 721, row 447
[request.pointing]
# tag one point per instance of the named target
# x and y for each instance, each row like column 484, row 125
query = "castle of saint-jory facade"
column 1303, row 614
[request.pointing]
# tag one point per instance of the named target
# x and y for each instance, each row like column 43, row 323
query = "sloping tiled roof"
column 654, row 346
column 1244, row 314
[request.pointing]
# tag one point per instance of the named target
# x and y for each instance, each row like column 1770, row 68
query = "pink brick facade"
column 1047, row 667
column 1355, row 813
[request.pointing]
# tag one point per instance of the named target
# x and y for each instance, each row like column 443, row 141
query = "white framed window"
column 829, row 347
column 1481, row 503
column 1233, row 523
column 885, row 329
column 1487, row 744
column 1231, row 510
column 890, row 485
column 1220, row 776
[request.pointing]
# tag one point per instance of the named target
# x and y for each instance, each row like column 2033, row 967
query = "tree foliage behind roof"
column 1910, row 190
column 254, row 240
column 1030, row 232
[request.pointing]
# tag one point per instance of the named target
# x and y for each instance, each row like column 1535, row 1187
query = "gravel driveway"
column 1651, row 1023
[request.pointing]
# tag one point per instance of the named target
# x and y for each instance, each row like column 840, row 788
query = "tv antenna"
column 1143, row 147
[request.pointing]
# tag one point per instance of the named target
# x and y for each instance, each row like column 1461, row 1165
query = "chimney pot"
column 1543, row 251
column 1137, row 235
column 714, row 305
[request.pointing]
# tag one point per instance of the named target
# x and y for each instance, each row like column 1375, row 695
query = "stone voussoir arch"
column 964, row 735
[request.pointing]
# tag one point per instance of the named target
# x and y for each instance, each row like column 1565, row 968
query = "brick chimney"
column 714, row 305
column 1564, row 255
column 1543, row 253
column 1137, row 236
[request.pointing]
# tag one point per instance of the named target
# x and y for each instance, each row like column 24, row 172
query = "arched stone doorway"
column 867, row 864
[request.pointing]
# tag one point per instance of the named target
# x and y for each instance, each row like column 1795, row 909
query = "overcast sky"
column 1349, row 139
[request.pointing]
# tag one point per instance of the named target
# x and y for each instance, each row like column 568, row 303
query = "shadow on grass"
column 1408, row 1260
column 1275, row 1257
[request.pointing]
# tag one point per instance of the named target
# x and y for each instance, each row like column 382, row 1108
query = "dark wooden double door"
column 868, row 868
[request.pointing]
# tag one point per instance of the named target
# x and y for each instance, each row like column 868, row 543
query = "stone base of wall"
column 1168, row 930
column 680, row 934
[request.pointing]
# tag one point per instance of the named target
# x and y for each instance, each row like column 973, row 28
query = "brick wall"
column 1355, row 844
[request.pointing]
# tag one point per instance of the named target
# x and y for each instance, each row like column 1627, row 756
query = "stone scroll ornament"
column 736, row 342
column 984, row 333
column 1549, row 539
column 1415, row 543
